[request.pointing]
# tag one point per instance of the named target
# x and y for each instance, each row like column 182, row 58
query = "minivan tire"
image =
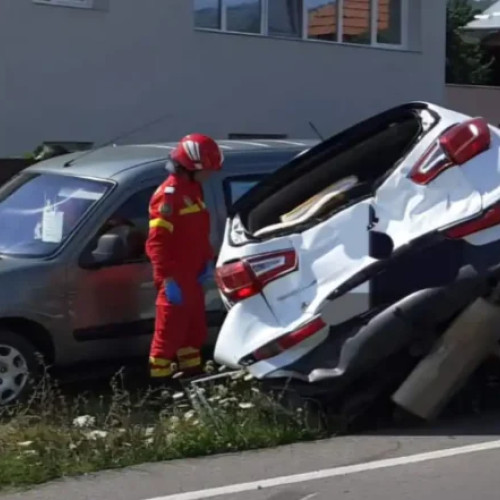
column 16, row 355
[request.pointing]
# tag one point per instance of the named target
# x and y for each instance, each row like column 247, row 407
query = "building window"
column 284, row 18
column 389, row 25
column 361, row 22
column 322, row 19
column 357, row 21
column 243, row 16
column 207, row 14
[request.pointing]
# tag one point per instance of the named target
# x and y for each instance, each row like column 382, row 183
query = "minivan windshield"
column 38, row 211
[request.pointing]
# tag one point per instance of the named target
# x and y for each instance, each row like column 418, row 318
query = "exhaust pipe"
column 469, row 340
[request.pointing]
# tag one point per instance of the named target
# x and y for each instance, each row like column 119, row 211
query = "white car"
column 332, row 237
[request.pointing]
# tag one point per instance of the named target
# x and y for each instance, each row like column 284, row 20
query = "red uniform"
column 179, row 248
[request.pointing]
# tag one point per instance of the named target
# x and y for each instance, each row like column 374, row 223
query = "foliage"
column 466, row 61
column 51, row 436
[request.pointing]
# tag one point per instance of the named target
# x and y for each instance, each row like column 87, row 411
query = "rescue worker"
column 178, row 246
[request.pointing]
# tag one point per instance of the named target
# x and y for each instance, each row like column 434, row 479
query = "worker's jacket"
column 178, row 243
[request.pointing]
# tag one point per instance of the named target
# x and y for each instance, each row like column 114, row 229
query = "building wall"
column 475, row 100
column 72, row 74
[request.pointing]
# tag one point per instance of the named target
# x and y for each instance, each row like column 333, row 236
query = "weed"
column 52, row 436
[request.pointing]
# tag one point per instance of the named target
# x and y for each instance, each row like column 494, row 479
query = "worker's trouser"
column 180, row 331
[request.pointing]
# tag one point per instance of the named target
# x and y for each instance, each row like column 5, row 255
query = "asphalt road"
column 452, row 460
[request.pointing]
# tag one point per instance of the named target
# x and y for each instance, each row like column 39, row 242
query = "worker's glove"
column 207, row 273
column 173, row 292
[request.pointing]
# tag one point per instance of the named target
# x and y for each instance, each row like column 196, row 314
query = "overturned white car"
column 362, row 251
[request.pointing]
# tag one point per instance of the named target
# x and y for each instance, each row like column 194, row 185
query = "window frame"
column 77, row 4
column 264, row 16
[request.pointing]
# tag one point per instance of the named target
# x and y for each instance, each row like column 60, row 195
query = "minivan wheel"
column 17, row 365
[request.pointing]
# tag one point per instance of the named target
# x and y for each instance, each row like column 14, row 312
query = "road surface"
column 450, row 461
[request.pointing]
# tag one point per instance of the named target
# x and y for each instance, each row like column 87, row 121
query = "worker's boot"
column 190, row 362
column 162, row 372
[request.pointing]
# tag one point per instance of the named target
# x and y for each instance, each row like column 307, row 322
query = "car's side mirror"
column 381, row 245
column 110, row 249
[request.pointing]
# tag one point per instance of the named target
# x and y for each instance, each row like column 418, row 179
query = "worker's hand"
column 207, row 273
column 173, row 292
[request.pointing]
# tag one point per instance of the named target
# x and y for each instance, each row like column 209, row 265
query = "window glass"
column 243, row 16
column 239, row 188
column 136, row 209
column 356, row 21
column 389, row 22
column 207, row 14
column 236, row 187
column 131, row 222
column 285, row 18
column 38, row 212
column 322, row 19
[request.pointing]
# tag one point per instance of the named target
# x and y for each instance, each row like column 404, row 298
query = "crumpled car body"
column 322, row 260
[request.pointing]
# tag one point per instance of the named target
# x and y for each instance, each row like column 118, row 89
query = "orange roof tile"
column 356, row 18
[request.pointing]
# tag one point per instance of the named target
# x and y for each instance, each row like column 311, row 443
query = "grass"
column 52, row 436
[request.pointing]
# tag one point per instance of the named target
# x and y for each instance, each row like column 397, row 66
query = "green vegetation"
column 466, row 61
column 52, row 436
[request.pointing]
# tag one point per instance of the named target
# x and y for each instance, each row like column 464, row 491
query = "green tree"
column 466, row 61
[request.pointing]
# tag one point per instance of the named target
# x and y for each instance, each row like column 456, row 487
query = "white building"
column 88, row 70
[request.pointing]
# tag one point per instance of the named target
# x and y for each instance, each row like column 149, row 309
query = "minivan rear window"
column 236, row 187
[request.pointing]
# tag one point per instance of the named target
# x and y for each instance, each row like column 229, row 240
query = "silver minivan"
column 75, row 284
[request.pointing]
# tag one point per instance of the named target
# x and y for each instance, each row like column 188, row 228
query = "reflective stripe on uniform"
column 160, row 372
column 188, row 357
column 191, row 209
column 161, row 367
column 161, row 223
column 189, row 363
column 162, row 362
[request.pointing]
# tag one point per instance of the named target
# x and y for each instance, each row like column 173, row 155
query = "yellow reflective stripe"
column 190, row 210
column 186, row 351
column 188, row 357
column 161, row 372
column 161, row 223
column 189, row 363
column 160, row 361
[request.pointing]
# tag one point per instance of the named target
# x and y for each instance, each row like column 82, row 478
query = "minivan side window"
column 237, row 186
column 132, row 220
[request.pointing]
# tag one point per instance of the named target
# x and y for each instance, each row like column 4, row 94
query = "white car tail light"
column 456, row 146
column 487, row 219
column 287, row 341
column 247, row 277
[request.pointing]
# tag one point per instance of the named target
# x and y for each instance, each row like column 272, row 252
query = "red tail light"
column 289, row 340
column 488, row 219
column 456, row 146
column 245, row 278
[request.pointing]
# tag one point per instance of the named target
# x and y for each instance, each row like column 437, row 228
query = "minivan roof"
column 115, row 160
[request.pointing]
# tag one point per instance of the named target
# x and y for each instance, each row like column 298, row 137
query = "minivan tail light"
column 247, row 277
column 289, row 340
column 486, row 220
column 455, row 146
